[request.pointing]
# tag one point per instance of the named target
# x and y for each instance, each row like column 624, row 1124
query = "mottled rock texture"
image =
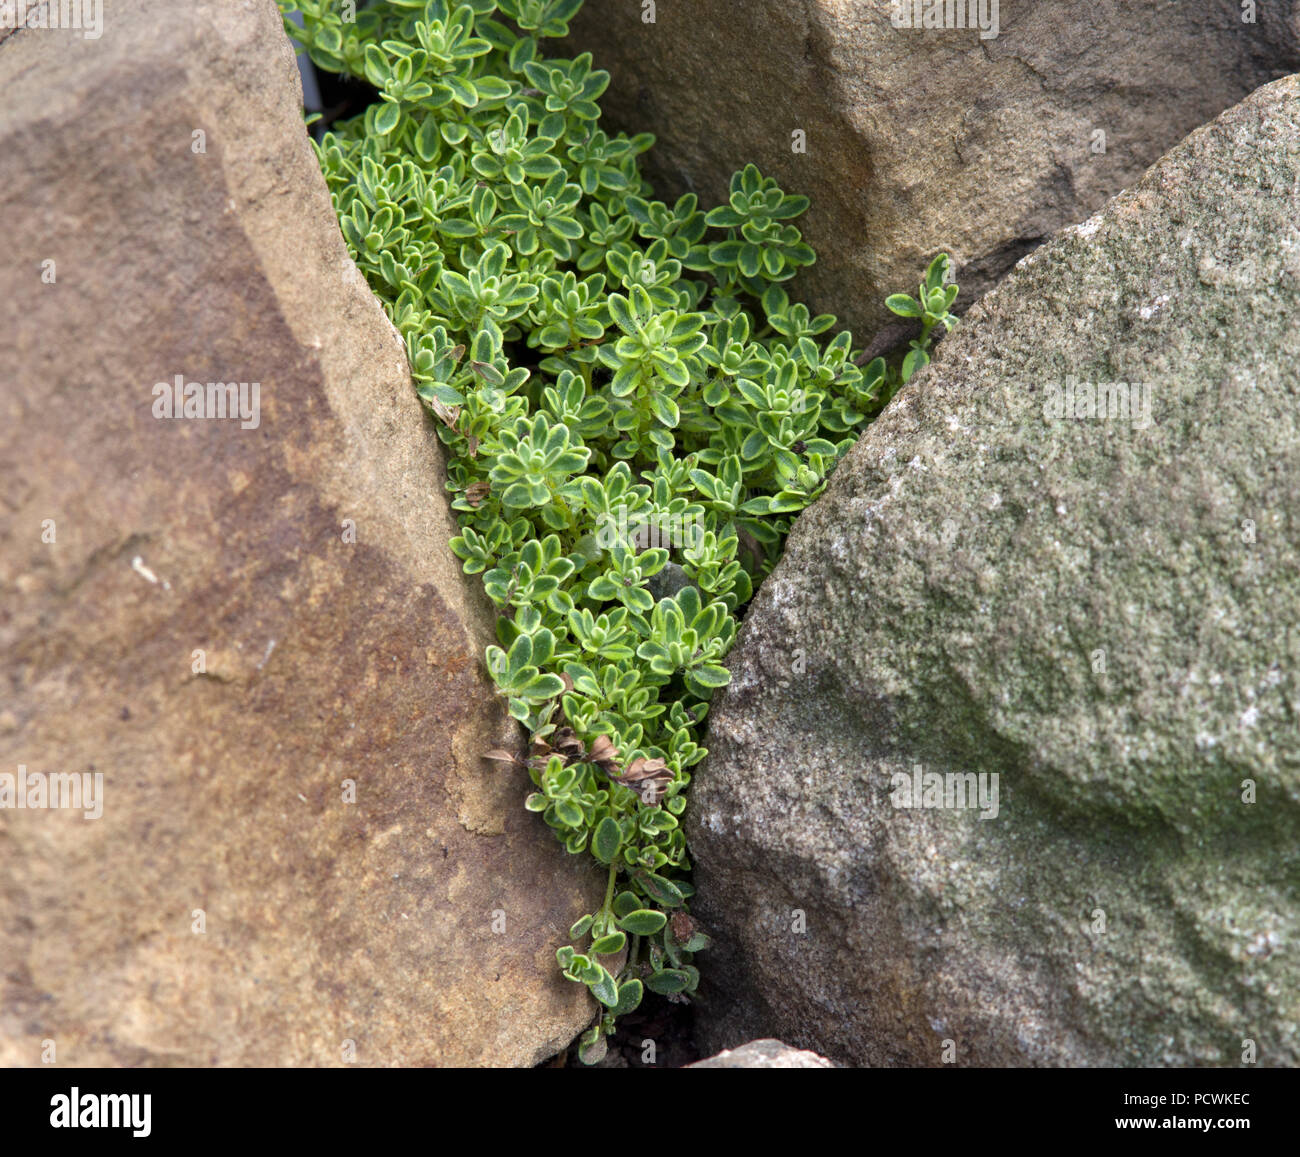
column 295, row 619
column 922, row 140
column 1103, row 609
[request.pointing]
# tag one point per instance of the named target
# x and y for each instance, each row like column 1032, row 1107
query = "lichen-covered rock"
column 251, row 628
column 764, row 1054
column 921, row 140
column 1089, row 591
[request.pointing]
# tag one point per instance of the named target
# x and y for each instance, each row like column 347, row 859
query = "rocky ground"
column 1058, row 575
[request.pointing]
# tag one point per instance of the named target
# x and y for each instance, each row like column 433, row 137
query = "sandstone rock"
column 231, row 620
column 764, row 1054
column 1103, row 610
column 925, row 140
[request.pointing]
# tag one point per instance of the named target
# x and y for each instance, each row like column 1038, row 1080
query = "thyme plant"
column 633, row 407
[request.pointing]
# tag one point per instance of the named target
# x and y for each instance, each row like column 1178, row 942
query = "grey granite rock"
column 1095, row 597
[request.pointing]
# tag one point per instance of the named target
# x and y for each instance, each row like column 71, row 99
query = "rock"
column 918, row 141
column 669, row 582
column 1103, row 611
column 764, row 1054
column 232, row 621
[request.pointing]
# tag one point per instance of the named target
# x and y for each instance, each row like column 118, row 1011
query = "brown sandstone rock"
column 323, row 659
column 924, row 140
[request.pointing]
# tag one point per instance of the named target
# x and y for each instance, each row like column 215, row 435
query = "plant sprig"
column 634, row 410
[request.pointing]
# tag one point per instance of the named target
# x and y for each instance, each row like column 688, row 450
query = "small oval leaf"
column 667, row 982
column 629, row 997
column 607, row 841
column 609, row 945
column 643, row 922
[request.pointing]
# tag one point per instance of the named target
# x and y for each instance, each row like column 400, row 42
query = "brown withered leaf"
column 604, row 754
column 475, row 492
column 647, row 777
column 682, row 926
column 567, row 743
column 642, row 768
column 448, row 415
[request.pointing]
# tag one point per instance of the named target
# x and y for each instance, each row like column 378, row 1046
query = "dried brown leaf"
column 642, row 768
column 448, row 415
column 647, row 777
column 567, row 743
column 604, row 753
column 682, row 926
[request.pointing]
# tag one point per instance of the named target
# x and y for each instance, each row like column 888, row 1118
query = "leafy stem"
column 634, row 412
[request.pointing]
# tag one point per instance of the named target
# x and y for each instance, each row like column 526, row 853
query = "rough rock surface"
column 924, row 140
column 324, row 659
column 764, row 1054
column 1103, row 610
